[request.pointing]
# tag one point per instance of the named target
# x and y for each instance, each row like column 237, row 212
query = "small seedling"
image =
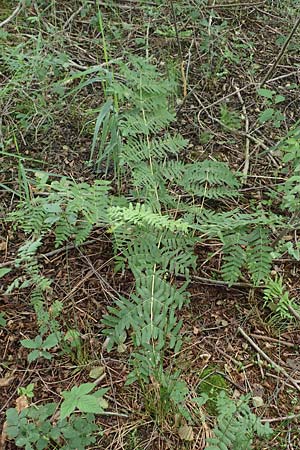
column 271, row 113
column 28, row 391
column 39, row 347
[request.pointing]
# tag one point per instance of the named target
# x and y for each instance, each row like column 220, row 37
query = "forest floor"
column 226, row 51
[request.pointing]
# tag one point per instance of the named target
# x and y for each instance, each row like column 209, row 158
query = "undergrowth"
column 170, row 206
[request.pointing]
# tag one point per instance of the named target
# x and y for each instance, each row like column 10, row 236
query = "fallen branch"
column 13, row 14
column 267, row 358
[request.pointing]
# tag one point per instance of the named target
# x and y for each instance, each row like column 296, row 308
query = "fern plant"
column 277, row 299
column 236, row 425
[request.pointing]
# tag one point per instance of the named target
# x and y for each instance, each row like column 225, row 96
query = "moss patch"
column 211, row 384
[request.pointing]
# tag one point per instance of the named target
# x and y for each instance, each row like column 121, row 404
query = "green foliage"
column 171, row 206
column 234, row 256
column 209, row 179
column 30, row 68
column 230, row 118
column 27, row 391
column 211, row 385
column 37, row 427
column 39, row 347
column 2, row 320
column 271, row 113
column 259, row 254
column 70, row 208
column 236, row 425
column 34, row 428
column 150, row 313
column 291, row 158
column 4, row 271
column 82, row 399
column 277, row 299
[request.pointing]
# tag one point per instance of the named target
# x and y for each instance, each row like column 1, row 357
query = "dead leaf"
column 3, row 436
column 21, row 403
column 257, row 402
column 96, row 372
column 186, row 433
column 121, row 348
column 6, row 381
column 2, row 246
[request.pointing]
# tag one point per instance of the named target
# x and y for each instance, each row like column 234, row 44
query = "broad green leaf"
column 200, row 401
column 12, row 416
column 267, row 93
column 29, row 343
column 96, row 372
column 67, row 407
column 2, row 320
column 52, row 207
column 83, row 389
column 279, row 99
column 266, row 115
column 89, row 404
column 33, row 355
column 100, row 392
column 46, row 354
column 4, row 271
column 51, row 341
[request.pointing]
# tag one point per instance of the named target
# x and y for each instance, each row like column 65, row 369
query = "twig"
column 281, row 53
column 294, row 312
column 267, row 358
column 280, row 419
column 235, row 5
column 13, row 14
column 276, row 341
column 53, row 252
column 225, row 283
column 247, row 141
column 233, row 130
column 75, row 13
column 179, row 48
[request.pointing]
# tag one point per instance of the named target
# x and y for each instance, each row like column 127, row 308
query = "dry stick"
column 280, row 54
column 247, row 86
column 233, row 5
column 233, row 130
column 280, row 419
column 276, row 341
column 295, row 313
column 179, row 49
column 53, row 252
column 13, row 14
column 267, row 358
column 225, row 283
column 75, row 13
column 247, row 141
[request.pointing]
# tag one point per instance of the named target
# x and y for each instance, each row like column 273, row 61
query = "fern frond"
column 277, row 299
column 236, row 425
column 209, row 179
column 150, row 313
column 259, row 254
column 138, row 149
column 142, row 215
column 234, row 256
column 173, row 255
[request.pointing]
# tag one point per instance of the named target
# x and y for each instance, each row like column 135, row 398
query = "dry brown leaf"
column 21, row 403
column 186, row 433
column 6, row 381
column 2, row 246
column 3, row 436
